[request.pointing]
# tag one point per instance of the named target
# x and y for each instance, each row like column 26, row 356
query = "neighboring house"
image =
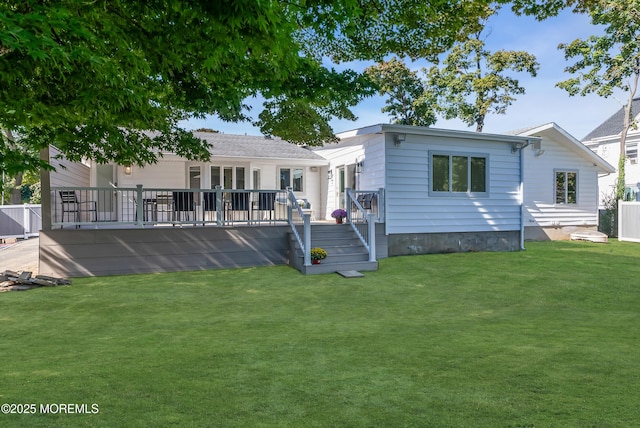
column 445, row 191
column 605, row 141
column 561, row 184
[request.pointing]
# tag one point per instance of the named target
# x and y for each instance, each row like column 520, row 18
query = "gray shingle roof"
column 229, row 145
column 613, row 125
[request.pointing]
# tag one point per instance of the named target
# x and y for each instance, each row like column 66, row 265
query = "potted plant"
column 318, row 254
column 339, row 215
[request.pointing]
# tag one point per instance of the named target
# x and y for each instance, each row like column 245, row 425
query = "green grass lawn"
column 547, row 337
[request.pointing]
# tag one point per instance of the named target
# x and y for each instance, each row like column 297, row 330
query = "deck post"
column 348, row 197
column 219, row 210
column 371, row 225
column 139, row 210
column 307, row 239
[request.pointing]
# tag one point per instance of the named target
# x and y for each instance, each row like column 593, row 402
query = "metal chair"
column 183, row 202
column 71, row 204
column 266, row 202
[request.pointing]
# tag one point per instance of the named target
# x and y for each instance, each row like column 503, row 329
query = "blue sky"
column 542, row 103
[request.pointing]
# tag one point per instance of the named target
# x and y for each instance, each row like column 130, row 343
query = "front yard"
column 546, row 337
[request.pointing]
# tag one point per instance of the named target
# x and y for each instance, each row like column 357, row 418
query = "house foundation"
column 433, row 243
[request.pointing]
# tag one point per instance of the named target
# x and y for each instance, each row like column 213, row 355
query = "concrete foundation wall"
column 538, row 233
column 113, row 252
column 432, row 243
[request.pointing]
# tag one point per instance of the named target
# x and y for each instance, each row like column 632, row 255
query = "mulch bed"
column 14, row 281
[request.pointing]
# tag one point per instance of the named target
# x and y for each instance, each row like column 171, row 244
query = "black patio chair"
column 240, row 202
column 183, row 202
column 209, row 204
column 72, row 205
column 266, row 203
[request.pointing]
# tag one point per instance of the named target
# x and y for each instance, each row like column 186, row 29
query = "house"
column 414, row 190
column 561, row 184
column 445, row 191
column 237, row 162
column 604, row 140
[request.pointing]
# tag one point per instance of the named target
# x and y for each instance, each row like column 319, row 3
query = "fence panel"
column 20, row 221
column 629, row 221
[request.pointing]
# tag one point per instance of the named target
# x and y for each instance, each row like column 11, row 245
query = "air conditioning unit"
column 633, row 161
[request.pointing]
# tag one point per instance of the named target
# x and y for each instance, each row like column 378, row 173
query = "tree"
column 92, row 77
column 474, row 82
column 608, row 62
column 407, row 102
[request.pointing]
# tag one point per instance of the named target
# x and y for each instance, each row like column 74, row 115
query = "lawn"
column 548, row 337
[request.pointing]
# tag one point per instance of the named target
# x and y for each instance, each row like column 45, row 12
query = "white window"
column 631, row 152
column 292, row 177
column 566, row 187
column 228, row 177
column 459, row 173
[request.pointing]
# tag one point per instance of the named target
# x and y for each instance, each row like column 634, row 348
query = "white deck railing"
column 362, row 213
column 75, row 207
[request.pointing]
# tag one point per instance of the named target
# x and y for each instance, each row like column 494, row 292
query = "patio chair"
column 72, row 205
column 366, row 200
column 183, row 202
column 209, row 204
column 266, row 202
column 240, row 203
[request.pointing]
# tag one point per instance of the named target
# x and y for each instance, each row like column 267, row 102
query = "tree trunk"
column 621, row 182
column 15, row 198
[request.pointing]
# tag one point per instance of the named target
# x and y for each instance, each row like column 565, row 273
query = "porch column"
column 45, row 191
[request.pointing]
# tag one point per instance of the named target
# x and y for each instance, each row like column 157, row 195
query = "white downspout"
column 522, row 196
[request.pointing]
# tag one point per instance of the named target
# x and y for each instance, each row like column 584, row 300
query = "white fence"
column 20, row 221
column 629, row 221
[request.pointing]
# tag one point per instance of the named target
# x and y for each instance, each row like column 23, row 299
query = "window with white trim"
column 566, row 187
column 292, row 177
column 458, row 173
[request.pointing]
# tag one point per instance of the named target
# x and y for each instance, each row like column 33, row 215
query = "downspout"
column 522, row 195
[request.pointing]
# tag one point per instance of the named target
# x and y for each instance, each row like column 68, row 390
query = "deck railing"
column 146, row 207
column 304, row 241
column 362, row 213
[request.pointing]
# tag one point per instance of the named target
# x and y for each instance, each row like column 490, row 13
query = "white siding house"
column 561, row 184
column 68, row 174
column 444, row 190
column 237, row 162
column 604, row 140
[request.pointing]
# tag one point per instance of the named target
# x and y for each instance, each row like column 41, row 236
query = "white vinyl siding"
column 411, row 209
column 541, row 208
column 367, row 148
column 67, row 174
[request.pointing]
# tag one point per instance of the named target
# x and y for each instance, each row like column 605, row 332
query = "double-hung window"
column 566, row 187
column 459, row 173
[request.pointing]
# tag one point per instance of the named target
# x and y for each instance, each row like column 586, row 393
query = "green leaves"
column 471, row 83
column 408, row 103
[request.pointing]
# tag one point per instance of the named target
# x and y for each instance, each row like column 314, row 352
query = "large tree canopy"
column 90, row 77
column 474, row 82
column 408, row 102
column 608, row 62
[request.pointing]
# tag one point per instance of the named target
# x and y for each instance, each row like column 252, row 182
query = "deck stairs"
column 345, row 251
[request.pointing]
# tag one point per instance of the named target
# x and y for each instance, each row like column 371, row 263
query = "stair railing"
column 305, row 240
column 363, row 223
